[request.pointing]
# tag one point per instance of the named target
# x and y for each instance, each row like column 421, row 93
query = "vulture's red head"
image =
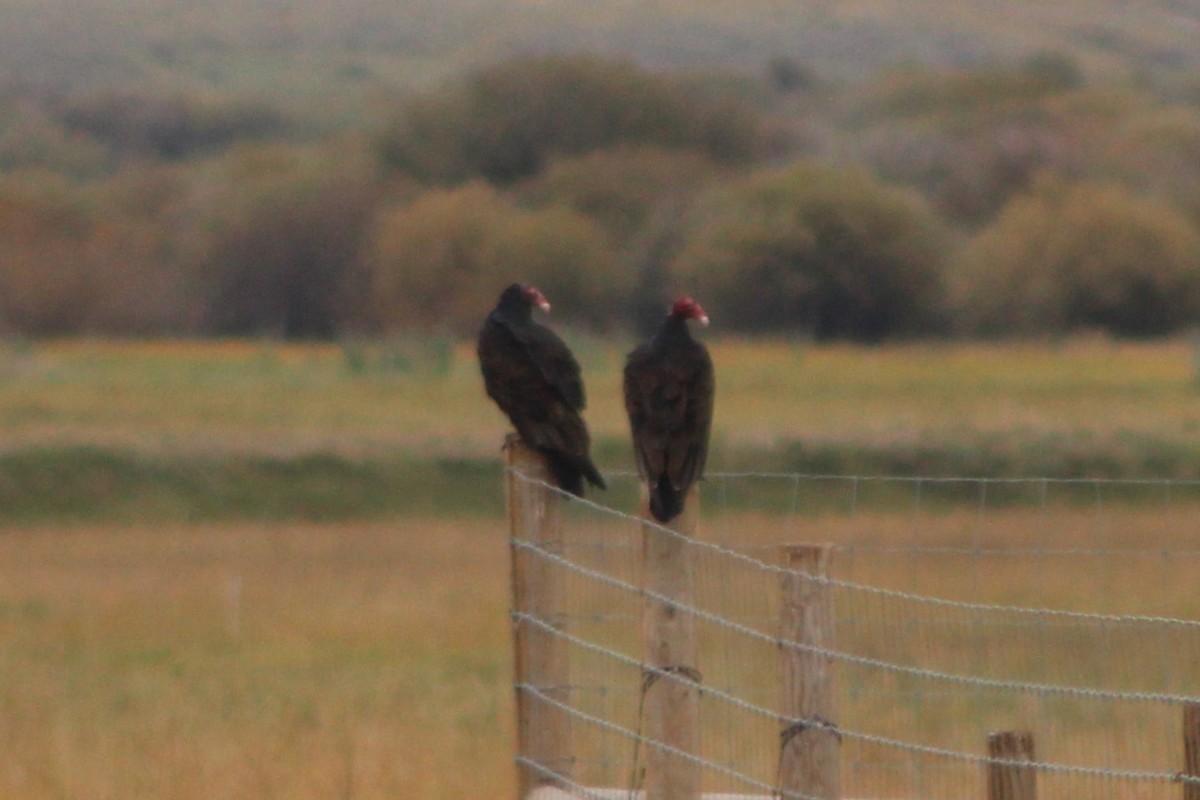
column 535, row 298
column 687, row 308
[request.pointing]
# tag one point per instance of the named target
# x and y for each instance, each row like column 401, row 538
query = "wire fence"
column 960, row 607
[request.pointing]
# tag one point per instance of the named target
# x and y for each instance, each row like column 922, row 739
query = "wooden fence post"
column 809, row 741
column 539, row 656
column 1191, row 750
column 1006, row 781
column 671, row 703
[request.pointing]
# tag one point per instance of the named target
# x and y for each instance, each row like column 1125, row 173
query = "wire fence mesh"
column 960, row 607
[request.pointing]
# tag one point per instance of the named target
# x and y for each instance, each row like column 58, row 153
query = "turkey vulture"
column 535, row 380
column 669, row 397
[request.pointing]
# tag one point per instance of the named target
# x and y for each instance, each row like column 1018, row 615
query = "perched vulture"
column 532, row 376
column 669, row 397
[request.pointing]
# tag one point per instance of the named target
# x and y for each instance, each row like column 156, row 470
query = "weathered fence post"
column 1191, row 751
column 809, row 741
column 1010, row 781
column 671, row 695
column 539, row 656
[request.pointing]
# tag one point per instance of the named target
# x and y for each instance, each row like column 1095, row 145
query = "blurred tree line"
column 1019, row 200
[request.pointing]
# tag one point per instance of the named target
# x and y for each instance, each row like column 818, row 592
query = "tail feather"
column 569, row 472
column 666, row 502
column 592, row 474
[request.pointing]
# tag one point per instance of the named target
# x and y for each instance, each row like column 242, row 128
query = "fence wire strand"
column 937, row 642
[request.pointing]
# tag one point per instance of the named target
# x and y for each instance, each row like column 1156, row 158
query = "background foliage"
column 190, row 183
column 830, row 252
column 1083, row 255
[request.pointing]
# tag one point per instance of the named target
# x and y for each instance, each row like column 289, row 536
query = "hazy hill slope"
column 300, row 44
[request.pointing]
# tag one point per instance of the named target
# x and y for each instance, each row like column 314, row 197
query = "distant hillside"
column 299, row 48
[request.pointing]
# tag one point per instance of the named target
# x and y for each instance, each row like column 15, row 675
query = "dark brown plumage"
column 532, row 375
column 669, row 387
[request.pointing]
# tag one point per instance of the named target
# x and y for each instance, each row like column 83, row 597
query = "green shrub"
column 809, row 248
column 46, row 285
column 31, row 137
column 285, row 242
column 1074, row 256
column 1157, row 152
column 440, row 262
column 969, row 172
column 141, row 125
column 505, row 122
column 638, row 195
column 957, row 93
column 623, row 187
column 971, row 139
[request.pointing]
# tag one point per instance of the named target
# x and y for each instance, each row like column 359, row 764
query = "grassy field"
column 205, row 637
column 371, row 660
column 191, row 431
column 254, row 661
column 269, row 399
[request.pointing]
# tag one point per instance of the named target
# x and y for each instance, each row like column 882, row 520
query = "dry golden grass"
column 372, row 660
column 253, row 662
